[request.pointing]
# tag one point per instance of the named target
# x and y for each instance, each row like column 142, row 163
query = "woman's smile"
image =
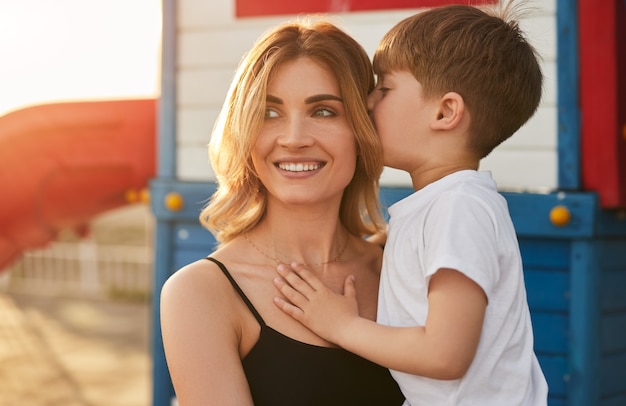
column 300, row 166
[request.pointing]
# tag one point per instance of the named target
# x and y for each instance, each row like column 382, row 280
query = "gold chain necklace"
column 278, row 261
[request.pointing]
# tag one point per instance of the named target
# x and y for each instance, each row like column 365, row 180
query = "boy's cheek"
column 371, row 101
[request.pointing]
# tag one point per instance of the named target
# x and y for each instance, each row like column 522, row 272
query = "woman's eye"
column 269, row 113
column 323, row 112
column 383, row 89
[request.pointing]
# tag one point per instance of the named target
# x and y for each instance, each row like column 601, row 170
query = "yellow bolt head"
column 174, row 201
column 560, row 216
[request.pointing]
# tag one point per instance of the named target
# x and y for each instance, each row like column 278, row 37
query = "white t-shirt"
column 461, row 222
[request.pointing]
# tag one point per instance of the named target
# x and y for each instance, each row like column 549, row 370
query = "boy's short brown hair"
column 481, row 55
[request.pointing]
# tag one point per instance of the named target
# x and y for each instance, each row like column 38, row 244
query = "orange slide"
column 62, row 164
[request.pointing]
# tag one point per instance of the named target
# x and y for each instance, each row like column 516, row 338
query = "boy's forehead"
column 391, row 73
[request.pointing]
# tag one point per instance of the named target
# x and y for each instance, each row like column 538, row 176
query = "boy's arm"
column 441, row 349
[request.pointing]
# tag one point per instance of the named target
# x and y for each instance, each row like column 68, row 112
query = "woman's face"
column 305, row 152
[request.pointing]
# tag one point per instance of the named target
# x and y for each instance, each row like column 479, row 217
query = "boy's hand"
column 313, row 304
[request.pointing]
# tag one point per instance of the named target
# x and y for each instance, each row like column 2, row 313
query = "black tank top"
column 284, row 372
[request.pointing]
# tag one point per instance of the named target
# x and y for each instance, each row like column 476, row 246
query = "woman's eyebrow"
column 273, row 99
column 322, row 97
column 309, row 100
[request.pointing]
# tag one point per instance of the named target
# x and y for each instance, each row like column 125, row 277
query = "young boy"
column 454, row 324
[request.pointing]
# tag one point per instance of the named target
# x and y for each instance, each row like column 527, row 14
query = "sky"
column 69, row 50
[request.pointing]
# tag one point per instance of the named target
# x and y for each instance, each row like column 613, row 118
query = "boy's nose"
column 371, row 101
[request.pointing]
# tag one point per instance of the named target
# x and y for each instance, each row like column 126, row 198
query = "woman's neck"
column 286, row 236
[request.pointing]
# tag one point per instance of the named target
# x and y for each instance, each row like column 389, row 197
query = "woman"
column 297, row 163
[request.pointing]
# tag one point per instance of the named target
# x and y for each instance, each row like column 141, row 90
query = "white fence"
column 85, row 269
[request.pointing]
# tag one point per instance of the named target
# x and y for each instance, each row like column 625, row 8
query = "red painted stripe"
column 250, row 8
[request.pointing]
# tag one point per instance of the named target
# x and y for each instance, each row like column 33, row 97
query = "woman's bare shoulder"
column 201, row 327
column 201, row 280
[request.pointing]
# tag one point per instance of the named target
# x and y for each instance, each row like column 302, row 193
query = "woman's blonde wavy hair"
column 239, row 202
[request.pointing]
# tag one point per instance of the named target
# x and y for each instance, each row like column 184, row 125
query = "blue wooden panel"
column 545, row 253
column 389, row 195
column 547, row 290
column 531, row 214
column 546, row 264
column 188, row 235
column 611, row 223
column 195, row 196
column 585, row 324
column 184, row 257
column 556, row 401
column 531, row 211
column 555, row 369
column 162, row 389
column 613, row 285
column 616, row 400
column 568, row 95
column 614, row 254
column 613, row 375
column 550, row 330
column 166, row 145
column 613, row 334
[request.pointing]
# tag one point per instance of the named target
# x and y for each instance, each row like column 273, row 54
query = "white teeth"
column 298, row 167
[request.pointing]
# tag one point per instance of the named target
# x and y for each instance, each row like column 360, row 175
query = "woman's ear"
column 450, row 112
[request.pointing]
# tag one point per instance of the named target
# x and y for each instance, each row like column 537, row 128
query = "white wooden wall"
column 212, row 41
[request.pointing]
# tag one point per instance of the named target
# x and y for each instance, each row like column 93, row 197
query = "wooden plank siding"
column 211, row 40
column 612, row 320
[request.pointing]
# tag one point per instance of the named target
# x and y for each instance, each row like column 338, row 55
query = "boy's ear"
column 450, row 112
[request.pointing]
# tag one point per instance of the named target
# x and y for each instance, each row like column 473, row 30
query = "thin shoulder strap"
column 238, row 289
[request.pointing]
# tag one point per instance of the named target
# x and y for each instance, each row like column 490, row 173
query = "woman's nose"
column 296, row 134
